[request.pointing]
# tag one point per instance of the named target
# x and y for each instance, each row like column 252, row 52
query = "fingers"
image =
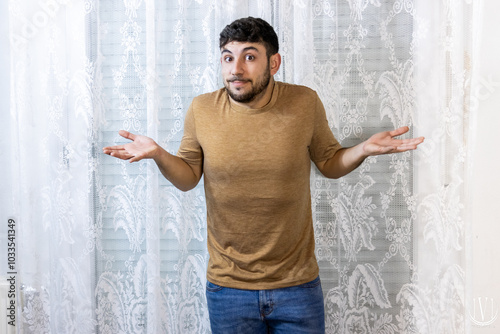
column 119, row 151
column 403, row 130
column 409, row 144
column 116, row 151
column 113, row 148
column 399, row 131
column 413, row 142
column 126, row 134
column 405, row 144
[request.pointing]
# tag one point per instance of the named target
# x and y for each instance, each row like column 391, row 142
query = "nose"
column 238, row 68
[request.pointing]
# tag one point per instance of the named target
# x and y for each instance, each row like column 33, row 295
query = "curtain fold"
column 51, row 125
column 111, row 247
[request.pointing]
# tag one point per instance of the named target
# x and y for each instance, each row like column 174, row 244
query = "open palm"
column 141, row 147
column 384, row 142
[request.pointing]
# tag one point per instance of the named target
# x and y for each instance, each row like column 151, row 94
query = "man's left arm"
column 346, row 160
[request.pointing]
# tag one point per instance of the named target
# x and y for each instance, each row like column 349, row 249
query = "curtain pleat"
column 111, row 247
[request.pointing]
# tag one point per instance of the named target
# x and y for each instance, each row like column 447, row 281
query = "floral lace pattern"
column 111, row 247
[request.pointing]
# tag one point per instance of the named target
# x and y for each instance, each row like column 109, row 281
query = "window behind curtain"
column 180, row 53
column 186, row 65
column 362, row 64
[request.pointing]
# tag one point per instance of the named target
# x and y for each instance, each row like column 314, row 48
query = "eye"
column 250, row 57
column 228, row 59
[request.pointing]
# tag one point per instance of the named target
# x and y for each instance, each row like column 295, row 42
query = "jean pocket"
column 211, row 287
column 312, row 284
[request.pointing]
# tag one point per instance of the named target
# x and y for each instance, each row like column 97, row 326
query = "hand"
column 141, row 147
column 385, row 143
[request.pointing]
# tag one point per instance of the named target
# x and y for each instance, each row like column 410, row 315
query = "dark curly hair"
column 253, row 30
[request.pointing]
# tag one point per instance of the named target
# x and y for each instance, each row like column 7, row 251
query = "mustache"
column 232, row 79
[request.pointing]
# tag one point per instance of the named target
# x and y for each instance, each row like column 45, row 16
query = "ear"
column 275, row 63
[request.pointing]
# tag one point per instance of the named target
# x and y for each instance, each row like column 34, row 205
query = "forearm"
column 343, row 162
column 347, row 159
column 182, row 175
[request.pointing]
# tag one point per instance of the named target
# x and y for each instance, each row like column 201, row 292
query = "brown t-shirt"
column 256, row 165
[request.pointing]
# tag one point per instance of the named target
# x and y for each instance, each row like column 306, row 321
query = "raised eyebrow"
column 248, row 48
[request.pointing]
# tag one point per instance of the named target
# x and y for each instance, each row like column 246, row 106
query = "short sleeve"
column 324, row 145
column 190, row 149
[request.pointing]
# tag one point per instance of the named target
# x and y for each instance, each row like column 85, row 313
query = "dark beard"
column 252, row 94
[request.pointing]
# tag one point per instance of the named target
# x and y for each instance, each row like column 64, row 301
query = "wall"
column 5, row 157
column 484, row 296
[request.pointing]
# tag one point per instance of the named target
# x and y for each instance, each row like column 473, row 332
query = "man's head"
column 249, row 58
column 252, row 30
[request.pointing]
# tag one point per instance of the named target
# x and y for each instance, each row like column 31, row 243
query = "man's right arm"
column 181, row 174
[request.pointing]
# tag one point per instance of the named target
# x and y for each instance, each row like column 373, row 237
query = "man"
column 254, row 141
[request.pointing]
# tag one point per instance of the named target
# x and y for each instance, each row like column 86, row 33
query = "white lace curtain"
column 111, row 247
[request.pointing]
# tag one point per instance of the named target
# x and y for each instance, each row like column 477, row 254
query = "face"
column 247, row 71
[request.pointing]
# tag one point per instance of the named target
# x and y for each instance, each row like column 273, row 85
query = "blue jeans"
column 297, row 309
